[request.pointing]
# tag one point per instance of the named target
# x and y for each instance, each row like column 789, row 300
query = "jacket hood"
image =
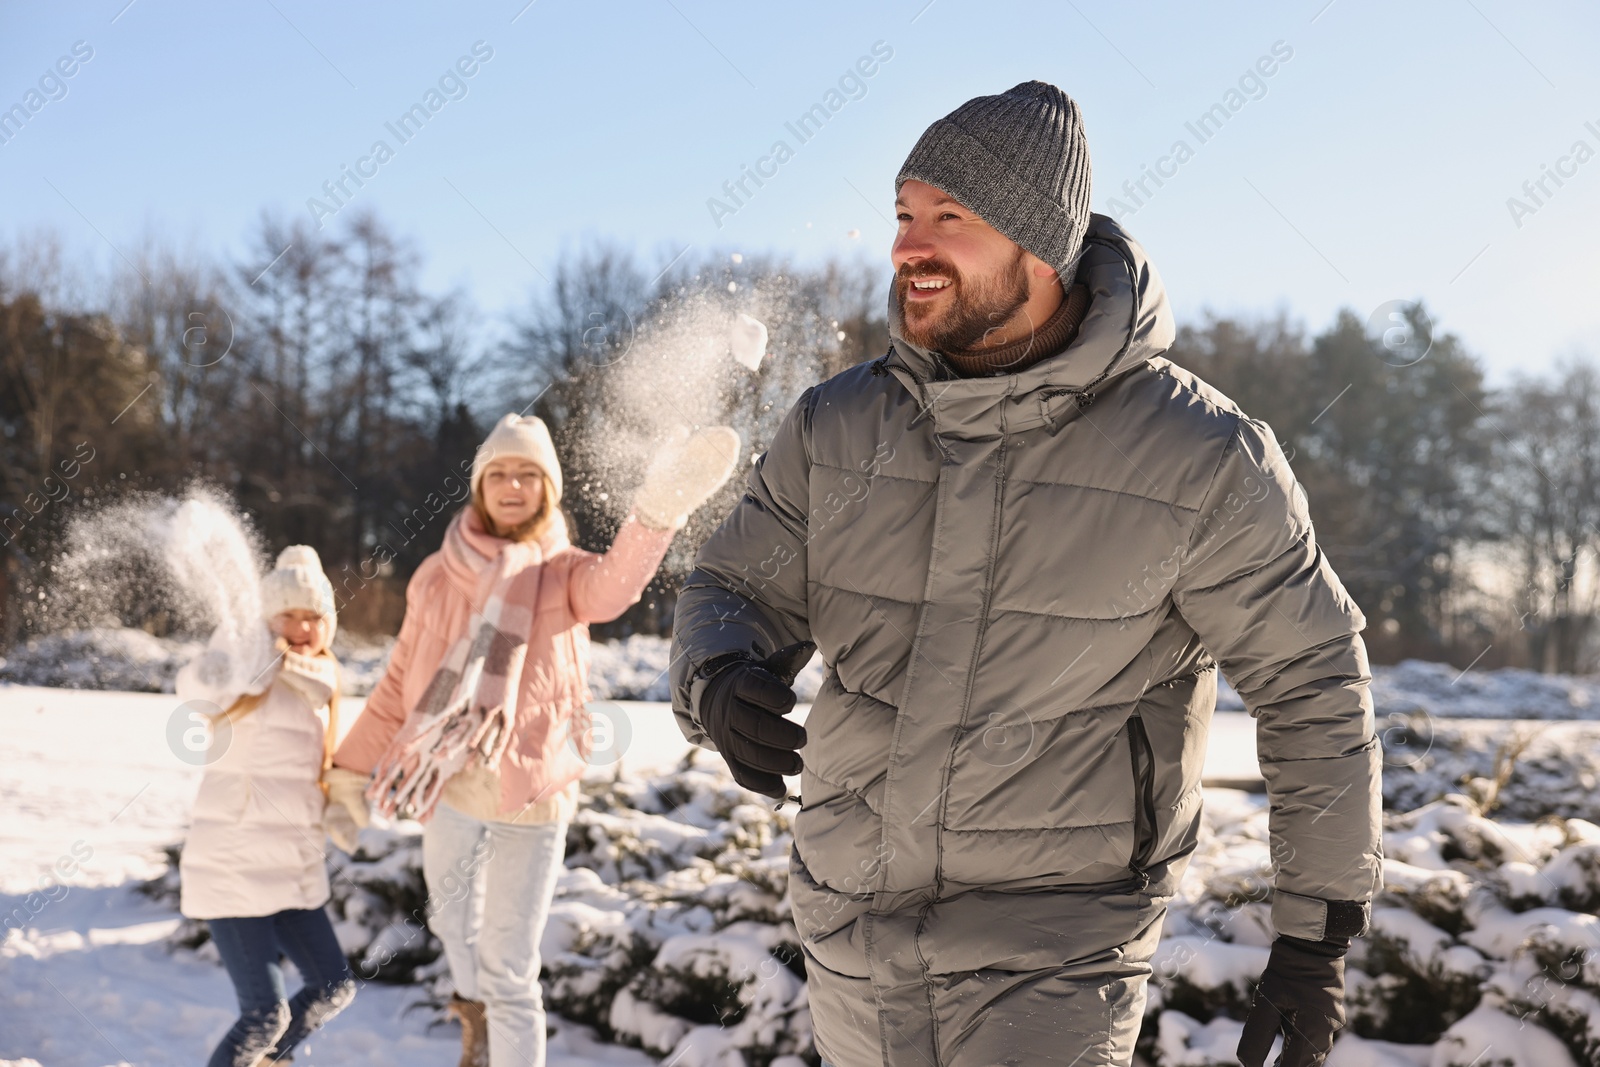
column 1129, row 320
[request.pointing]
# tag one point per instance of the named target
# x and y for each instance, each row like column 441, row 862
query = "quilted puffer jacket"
column 1022, row 587
column 550, row 747
column 255, row 844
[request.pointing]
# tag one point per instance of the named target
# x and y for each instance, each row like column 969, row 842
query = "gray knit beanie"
column 1021, row 161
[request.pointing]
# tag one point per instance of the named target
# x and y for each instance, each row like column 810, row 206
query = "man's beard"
column 977, row 306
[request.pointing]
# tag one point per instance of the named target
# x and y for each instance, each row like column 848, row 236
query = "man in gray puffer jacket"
column 1023, row 542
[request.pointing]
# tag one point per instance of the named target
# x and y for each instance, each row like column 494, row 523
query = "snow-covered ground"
column 670, row 932
column 93, row 794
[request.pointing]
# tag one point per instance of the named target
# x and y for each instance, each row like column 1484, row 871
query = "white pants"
column 489, row 891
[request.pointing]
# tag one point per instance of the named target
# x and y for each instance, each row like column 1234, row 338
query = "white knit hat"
column 299, row 582
column 525, row 436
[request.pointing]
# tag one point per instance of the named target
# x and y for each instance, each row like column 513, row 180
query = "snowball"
column 747, row 340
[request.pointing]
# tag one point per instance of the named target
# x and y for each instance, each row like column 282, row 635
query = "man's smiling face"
column 960, row 283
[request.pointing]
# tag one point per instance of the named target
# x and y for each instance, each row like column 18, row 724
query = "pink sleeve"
column 385, row 712
column 602, row 587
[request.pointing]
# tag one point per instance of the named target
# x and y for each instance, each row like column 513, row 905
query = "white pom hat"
column 299, row 582
column 524, row 436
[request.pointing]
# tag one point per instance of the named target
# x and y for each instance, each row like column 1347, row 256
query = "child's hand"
column 346, row 811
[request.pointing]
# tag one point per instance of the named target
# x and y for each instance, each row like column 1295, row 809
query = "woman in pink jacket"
column 478, row 727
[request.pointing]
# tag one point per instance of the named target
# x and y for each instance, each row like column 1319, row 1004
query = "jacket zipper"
column 977, row 652
column 1144, row 801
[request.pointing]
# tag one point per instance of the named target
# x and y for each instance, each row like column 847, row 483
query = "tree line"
column 338, row 402
column 332, row 395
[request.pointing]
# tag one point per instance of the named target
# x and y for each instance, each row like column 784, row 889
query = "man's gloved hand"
column 742, row 709
column 1301, row 995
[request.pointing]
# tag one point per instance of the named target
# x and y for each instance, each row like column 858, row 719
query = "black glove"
column 1301, row 995
column 742, row 709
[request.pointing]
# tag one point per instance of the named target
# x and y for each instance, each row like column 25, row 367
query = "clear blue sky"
column 1375, row 163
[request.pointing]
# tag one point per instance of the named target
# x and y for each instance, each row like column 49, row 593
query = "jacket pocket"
column 1144, row 801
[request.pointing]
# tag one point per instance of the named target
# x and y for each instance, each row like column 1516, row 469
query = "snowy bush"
column 104, row 657
column 670, row 932
column 1440, row 690
column 1484, row 947
column 1556, row 769
column 129, row 659
column 126, row 658
column 635, row 668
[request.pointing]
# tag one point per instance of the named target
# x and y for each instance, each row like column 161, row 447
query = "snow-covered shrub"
column 669, row 931
column 635, row 668
column 1415, row 982
column 1543, row 983
column 100, row 657
column 1556, row 774
column 1571, row 878
column 379, row 902
column 129, row 659
column 1488, row 1037
column 1476, row 949
column 1203, row 978
column 1440, row 690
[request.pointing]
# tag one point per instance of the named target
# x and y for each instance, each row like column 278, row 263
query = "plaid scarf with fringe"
column 469, row 708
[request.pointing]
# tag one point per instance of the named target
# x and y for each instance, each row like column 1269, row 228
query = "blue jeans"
column 489, row 889
column 268, row 1019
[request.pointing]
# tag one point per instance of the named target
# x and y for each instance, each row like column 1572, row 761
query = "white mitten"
column 230, row 666
column 688, row 467
column 347, row 810
column 213, row 667
column 209, row 678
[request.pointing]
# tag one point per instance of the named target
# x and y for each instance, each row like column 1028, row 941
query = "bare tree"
column 1549, row 509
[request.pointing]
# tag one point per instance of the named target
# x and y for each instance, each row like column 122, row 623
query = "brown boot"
column 474, row 1030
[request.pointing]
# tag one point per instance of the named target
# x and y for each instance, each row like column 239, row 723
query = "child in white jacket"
column 253, row 863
